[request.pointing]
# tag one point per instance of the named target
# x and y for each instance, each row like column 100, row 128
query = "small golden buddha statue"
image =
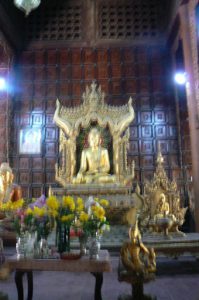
column 163, row 219
column 95, row 164
column 136, row 257
column 162, row 207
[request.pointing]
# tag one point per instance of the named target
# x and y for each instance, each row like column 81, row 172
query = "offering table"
column 84, row 264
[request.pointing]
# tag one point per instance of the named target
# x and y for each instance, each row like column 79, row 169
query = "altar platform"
column 173, row 246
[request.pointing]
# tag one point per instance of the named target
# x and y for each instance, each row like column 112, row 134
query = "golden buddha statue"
column 138, row 263
column 163, row 219
column 8, row 190
column 95, row 164
column 162, row 209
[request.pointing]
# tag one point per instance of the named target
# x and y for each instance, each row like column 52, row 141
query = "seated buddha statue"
column 94, row 164
column 162, row 209
column 163, row 218
column 8, row 191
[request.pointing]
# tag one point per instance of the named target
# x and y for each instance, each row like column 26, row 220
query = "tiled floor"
column 80, row 286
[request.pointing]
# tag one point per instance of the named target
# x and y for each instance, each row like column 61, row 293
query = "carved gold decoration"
column 161, row 210
column 72, row 120
column 138, row 263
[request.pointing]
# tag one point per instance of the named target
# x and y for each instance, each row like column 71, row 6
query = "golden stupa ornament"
column 92, row 162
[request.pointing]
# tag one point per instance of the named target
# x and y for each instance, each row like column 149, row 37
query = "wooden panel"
column 51, row 73
column 129, row 55
column 102, row 71
column 37, row 177
column 76, row 72
column 116, row 87
column 76, row 56
column 146, row 117
column 160, row 131
column 50, row 134
column 116, row 70
column 88, row 56
column 38, row 105
column 37, row 163
column 89, row 72
column 39, row 57
column 50, row 149
column 24, row 178
column 147, row 161
column 51, row 57
column 146, row 146
column 51, row 90
column 40, row 73
column 133, row 148
column 133, row 132
column 160, row 117
column 37, row 119
column 146, row 131
column 24, row 163
column 129, row 70
column 115, row 55
column 50, row 178
column 50, row 163
column 39, row 90
column 25, row 119
column 37, row 192
column 131, row 86
column 64, row 57
column 102, row 56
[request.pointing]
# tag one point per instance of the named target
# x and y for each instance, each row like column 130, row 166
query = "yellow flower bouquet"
column 92, row 219
column 64, row 211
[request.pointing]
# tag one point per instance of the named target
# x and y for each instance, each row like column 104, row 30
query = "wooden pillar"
column 189, row 40
column 6, row 56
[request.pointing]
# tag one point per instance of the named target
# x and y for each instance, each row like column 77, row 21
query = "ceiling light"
column 2, row 84
column 180, row 78
column 27, row 5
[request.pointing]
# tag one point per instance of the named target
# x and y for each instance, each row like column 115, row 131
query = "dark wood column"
column 6, row 57
column 189, row 40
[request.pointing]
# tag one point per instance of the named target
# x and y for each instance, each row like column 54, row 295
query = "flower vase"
column 63, row 238
column 83, row 238
column 94, row 246
column 21, row 245
column 43, row 248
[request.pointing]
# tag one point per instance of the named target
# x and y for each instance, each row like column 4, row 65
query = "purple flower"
column 40, row 202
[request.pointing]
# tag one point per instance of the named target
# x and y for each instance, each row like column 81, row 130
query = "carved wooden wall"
column 140, row 72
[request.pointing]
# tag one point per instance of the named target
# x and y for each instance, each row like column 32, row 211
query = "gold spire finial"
column 160, row 158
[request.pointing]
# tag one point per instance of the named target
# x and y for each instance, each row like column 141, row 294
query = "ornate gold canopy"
column 93, row 109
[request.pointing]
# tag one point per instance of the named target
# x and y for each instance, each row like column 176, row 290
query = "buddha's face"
column 162, row 198
column 94, row 138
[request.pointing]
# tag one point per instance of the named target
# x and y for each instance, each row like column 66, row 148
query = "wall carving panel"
column 121, row 72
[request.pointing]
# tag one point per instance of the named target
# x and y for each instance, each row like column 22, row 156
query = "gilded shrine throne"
column 162, row 213
column 93, row 144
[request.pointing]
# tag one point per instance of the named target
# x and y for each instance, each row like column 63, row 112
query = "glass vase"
column 43, row 248
column 21, row 245
column 94, row 246
column 63, row 238
column 83, row 238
